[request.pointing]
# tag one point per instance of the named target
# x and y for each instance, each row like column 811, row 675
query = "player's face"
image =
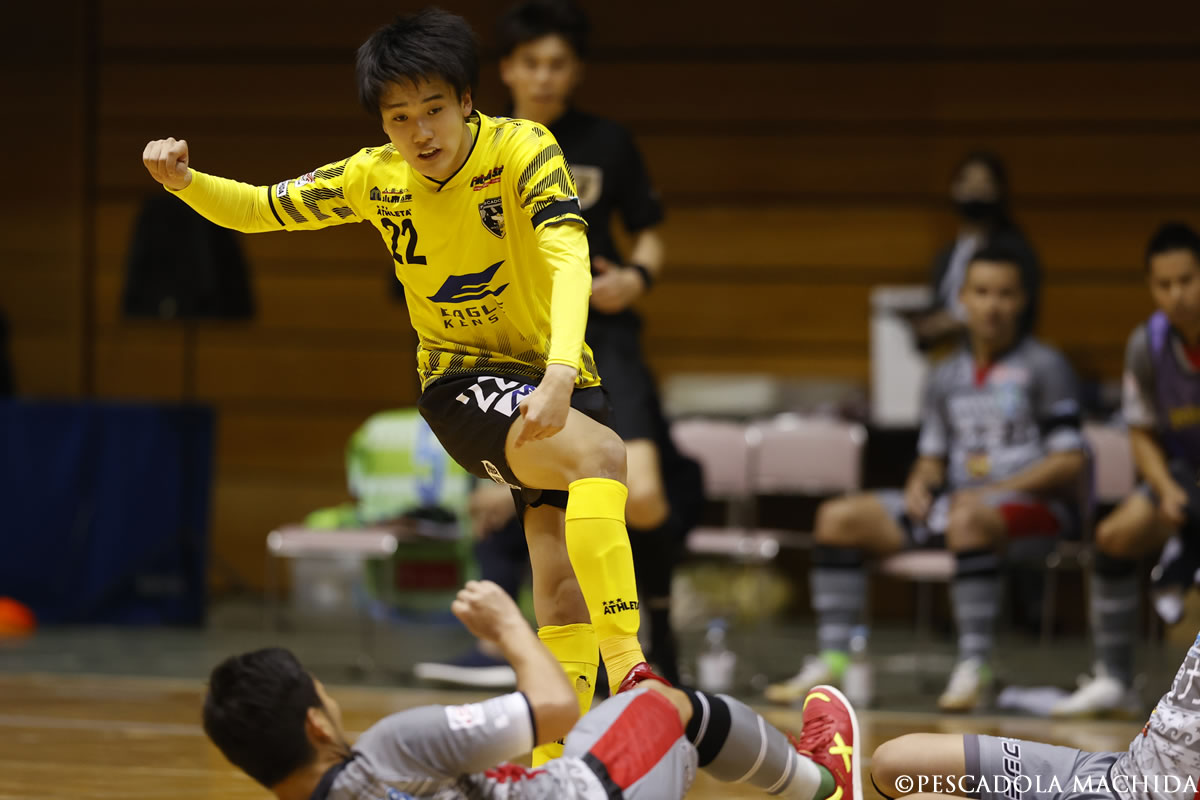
column 542, row 74
column 425, row 123
column 974, row 182
column 332, row 710
column 1175, row 285
column 993, row 299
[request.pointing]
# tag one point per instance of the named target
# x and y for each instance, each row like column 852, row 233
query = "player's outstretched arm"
column 490, row 614
column 315, row 200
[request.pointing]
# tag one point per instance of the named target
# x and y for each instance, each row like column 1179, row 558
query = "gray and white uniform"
column 459, row 753
column 1162, row 762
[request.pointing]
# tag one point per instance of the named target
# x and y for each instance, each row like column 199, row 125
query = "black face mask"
column 978, row 210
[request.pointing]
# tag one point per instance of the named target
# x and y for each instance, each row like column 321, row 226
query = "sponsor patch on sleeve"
column 461, row 718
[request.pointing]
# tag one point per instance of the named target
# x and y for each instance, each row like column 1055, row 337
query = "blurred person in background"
column 1161, row 406
column 542, row 45
column 979, row 191
column 1000, row 463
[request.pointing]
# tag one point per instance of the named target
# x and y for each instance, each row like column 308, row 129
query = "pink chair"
column 1113, row 460
column 723, row 449
column 806, row 455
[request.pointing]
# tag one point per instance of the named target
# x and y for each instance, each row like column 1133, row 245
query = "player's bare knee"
column 892, row 759
column 969, row 527
column 602, row 456
column 835, row 522
column 1118, row 540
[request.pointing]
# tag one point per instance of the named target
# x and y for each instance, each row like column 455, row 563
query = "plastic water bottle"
column 714, row 667
column 857, row 681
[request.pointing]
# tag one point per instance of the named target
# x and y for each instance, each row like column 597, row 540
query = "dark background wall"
column 803, row 151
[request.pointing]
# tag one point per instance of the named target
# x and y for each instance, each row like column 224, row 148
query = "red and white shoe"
column 640, row 672
column 830, row 738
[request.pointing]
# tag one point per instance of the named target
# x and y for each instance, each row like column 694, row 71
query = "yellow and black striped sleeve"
column 317, row 199
column 546, row 186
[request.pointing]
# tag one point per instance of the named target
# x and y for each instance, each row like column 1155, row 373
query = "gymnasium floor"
column 114, row 713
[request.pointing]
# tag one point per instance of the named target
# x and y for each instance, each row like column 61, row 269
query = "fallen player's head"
column 269, row 716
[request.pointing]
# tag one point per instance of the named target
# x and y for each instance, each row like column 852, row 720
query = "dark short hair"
column 1170, row 237
column 255, row 710
column 534, row 19
column 998, row 253
column 429, row 44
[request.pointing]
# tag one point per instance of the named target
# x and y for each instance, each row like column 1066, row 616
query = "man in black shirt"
column 542, row 44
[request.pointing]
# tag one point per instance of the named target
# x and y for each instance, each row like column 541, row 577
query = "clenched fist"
column 488, row 611
column 167, row 162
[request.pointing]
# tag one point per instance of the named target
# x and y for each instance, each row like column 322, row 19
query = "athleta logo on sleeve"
column 465, row 288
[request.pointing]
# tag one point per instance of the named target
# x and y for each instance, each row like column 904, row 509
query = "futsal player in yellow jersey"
column 481, row 218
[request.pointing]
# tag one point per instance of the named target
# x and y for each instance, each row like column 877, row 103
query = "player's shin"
column 736, row 745
column 598, row 546
column 575, row 648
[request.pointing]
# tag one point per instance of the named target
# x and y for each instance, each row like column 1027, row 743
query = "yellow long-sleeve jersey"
column 494, row 260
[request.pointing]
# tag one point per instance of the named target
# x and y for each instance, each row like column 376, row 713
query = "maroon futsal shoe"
column 830, row 738
column 641, row 672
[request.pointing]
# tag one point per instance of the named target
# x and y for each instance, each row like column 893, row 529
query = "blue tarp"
column 104, row 511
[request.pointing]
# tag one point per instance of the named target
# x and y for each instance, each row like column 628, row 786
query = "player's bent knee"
column 970, row 528
column 603, row 456
column 892, row 759
column 835, row 522
column 1120, row 540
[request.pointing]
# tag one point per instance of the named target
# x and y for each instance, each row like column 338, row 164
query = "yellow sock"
column 575, row 648
column 598, row 546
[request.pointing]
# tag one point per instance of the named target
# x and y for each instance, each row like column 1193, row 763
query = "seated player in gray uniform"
column 1000, row 467
column 1161, row 405
column 1162, row 762
column 275, row 721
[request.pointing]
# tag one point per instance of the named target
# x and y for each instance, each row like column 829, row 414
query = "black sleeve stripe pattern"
column 288, row 206
column 555, row 209
column 556, row 179
column 271, row 201
column 589, row 364
column 311, row 196
column 540, row 160
column 334, row 171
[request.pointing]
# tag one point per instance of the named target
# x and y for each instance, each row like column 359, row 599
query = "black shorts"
column 471, row 415
column 616, row 343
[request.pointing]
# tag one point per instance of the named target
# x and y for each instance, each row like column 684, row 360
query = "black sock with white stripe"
column 736, row 745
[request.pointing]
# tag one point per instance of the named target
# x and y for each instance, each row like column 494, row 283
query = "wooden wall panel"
column 42, row 214
column 622, row 25
column 803, row 151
